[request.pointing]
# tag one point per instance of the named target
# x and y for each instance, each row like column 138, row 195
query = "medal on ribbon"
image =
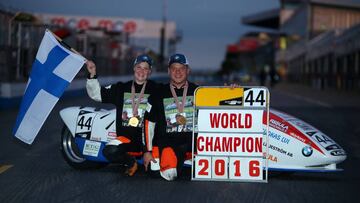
column 180, row 119
column 135, row 102
column 133, row 121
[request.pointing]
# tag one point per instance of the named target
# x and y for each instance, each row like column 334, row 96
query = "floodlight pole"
column 9, row 27
column 163, row 35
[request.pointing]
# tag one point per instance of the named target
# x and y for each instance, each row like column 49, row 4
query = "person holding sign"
column 130, row 99
column 172, row 112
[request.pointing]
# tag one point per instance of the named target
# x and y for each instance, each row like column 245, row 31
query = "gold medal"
column 134, row 121
column 182, row 120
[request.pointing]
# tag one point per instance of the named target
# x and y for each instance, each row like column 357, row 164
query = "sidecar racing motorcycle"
column 294, row 145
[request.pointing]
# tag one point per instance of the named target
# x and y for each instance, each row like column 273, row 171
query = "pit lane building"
column 317, row 42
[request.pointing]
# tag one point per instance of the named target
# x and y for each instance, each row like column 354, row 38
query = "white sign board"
column 231, row 134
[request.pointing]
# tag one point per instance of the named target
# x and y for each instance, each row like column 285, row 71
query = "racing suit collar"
column 181, row 87
column 136, row 83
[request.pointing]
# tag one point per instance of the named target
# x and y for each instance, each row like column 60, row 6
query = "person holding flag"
column 55, row 66
column 130, row 99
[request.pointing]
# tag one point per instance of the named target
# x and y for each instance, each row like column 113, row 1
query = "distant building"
column 119, row 38
column 250, row 55
column 318, row 55
column 112, row 42
column 317, row 43
column 308, row 18
column 254, row 53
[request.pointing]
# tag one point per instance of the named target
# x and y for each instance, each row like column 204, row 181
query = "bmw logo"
column 307, row 151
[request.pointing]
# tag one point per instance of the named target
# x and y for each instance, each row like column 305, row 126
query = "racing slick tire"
column 72, row 154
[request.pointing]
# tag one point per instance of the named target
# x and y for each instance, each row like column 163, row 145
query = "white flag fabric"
column 52, row 71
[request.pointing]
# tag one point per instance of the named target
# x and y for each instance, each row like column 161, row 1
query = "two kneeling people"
column 142, row 104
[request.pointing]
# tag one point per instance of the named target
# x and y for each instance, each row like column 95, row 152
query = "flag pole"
column 67, row 46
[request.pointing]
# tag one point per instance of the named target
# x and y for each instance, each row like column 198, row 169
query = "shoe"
column 131, row 170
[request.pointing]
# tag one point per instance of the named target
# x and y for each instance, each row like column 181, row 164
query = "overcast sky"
column 207, row 25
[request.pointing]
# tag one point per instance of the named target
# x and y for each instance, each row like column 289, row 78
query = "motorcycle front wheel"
column 72, row 154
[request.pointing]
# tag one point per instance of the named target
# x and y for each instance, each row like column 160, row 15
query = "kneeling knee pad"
column 169, row 174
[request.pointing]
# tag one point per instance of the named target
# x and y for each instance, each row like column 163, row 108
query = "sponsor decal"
column 332, row 147
column 307, row 151
column 293, row 132
column 311, row 133
column 83, row 135
column 285, row 140
column 285, row 116
column 279, row 137
column 279, row 125
column 274, row 136
column 91, row 148
column 297, row 134
column 233, row 102
column 280, row 150
column 95, row 138
column 338, row 153
column 271, row 157
column 297, row 137
column 111, row 136
column 302, row 125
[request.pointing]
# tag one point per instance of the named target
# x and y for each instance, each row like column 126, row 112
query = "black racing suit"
column 173, row 138
column 119, row 94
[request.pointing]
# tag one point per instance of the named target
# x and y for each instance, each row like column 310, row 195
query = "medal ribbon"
column 135, row 104
column 180, row 107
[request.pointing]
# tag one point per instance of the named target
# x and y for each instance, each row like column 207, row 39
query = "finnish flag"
column 52, row 71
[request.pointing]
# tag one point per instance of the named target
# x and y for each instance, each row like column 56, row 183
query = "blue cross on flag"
column 52, row 71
